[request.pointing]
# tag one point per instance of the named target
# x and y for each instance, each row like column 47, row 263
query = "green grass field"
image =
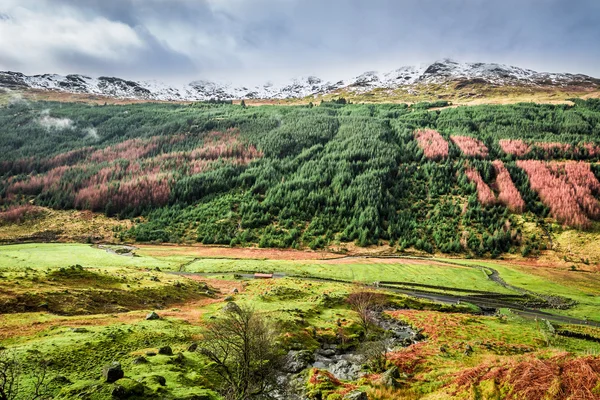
column 583, row 287
column 360, row 271
column 306, row 312
column 52, row 255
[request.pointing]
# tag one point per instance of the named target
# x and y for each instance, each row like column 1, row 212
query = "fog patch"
column 48, row 122
column 91, row 133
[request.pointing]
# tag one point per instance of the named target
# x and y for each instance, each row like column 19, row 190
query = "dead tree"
column 376, row 354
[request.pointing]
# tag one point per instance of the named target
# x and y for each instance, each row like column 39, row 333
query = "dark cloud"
column 271, row 39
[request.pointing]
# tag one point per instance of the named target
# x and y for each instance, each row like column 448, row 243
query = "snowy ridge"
column 439, row 72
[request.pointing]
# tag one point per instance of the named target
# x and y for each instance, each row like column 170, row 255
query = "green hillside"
column 311, row 176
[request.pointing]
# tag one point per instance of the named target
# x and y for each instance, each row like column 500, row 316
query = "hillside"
column 444, row 79
column 482, row 180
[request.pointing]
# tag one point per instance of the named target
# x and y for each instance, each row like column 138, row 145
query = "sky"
column 254, row 41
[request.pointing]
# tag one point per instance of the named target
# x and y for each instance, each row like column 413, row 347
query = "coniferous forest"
column 452, row 180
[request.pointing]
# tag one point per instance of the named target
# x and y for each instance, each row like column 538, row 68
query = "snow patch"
column 438, row 72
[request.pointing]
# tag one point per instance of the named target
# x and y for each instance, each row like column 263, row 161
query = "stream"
column 343, row 364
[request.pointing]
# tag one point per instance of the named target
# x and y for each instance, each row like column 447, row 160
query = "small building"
column 262, row 276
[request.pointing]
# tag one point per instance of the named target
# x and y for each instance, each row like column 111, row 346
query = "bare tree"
column 11, row 374
column 243, row 347
column 365, row 302
column 376, row 353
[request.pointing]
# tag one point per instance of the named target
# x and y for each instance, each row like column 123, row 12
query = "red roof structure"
column 263, row 276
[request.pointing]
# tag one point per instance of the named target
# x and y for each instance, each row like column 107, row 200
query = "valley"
column 76, row 331
column 326, row 251
column 299, row 200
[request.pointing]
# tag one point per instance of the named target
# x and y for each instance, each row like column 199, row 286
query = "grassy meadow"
column 79, row 307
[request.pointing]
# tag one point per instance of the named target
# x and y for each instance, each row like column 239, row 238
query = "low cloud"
column 255, row 41
column 48, row 122
column 91, row 133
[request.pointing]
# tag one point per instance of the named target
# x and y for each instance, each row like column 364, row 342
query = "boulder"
column 152, row 316
column 166, row 351
column 229, row 298
column 112, row 372
column 326, row 352
column 234, row 290
column 297, row 360
column 155, row 380
column 231, row 307
column 390, row 377
column 468, row 350
column 140, row 360
column 356, row 395
column 126, row 388
column 192, row 347
column 60, row 380
column 178, row 359
column 79, row 330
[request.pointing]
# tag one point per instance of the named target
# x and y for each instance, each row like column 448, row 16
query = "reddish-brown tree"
column 432, row 143
column 470, row 146
column 566, row 188
column 507, row 192
column 484, row 193
column 516, row 147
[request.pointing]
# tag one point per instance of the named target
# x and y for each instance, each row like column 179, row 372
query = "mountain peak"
column 440, row 71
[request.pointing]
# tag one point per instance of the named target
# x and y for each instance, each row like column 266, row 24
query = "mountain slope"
column 408, row 79
column 483, row 180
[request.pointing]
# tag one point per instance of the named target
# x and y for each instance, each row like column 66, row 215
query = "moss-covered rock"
column 112, row 372
column 321, row 384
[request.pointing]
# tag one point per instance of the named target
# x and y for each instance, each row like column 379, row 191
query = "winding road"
column 487, row 301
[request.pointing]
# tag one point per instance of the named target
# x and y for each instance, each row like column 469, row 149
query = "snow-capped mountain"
column 444, row 71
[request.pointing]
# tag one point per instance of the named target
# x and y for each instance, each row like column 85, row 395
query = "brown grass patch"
column 561, row 377
column 190, row 311
column 62, row 226
column 205, row 251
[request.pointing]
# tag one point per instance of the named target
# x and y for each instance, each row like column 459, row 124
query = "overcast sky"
column 257, row 40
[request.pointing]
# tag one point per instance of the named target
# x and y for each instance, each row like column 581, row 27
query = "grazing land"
column 70, row 309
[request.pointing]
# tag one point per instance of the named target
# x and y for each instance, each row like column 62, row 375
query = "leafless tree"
column 11, row 373
column 243, row 347
column 365, row 302
column 376, row 353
